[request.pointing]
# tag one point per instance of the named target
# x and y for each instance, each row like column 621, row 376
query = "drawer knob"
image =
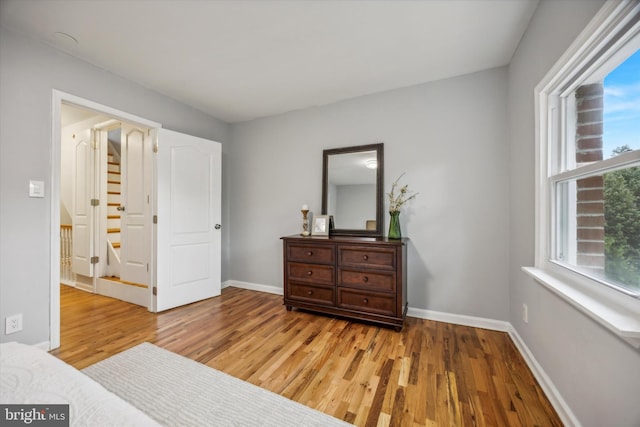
column 309, row 253
column 365, row 279
column 309, row 273
column 309, row 292
column 365, row 257
column 365, row 300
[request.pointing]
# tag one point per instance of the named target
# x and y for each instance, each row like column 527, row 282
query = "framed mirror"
column 352, row 181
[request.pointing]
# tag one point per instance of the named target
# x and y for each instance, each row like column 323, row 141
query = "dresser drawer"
column 367, row 279
column 310, row 293
column 362, row 256
column 361, row 278
column 314, row 273
column 367, row 301
column 321, row 254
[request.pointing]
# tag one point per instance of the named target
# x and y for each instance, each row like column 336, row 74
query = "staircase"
column 112, row 284
column 113, row 216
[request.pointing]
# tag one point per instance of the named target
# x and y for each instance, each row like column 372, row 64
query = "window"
column 596, row 183
column 588, row 172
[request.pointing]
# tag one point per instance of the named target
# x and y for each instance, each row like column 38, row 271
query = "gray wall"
column 450, row 139
column 597, row 374
column 29, row 71
column 466, row 145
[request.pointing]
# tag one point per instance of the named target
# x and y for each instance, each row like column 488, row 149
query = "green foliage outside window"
column 622, row 224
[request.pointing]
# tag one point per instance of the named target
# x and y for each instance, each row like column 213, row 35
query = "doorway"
column 105, row 204
column 172, row 205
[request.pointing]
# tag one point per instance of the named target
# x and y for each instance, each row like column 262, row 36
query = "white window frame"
column 613, row 26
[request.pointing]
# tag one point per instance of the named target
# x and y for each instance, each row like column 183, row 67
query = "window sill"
column 619, row 319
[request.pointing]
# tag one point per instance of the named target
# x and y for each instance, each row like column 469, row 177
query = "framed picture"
column 320, row 225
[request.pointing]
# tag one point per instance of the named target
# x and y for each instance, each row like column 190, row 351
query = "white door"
column 82, row 211
column 135, row 228
column 188, row 219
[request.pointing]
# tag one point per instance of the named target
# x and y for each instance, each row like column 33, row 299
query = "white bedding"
column 33, row 376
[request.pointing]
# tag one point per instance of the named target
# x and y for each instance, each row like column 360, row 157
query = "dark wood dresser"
column 363, row 278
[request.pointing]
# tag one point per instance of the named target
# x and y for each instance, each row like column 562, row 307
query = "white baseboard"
column 460, row 319
column 83, row 287
column 84, row 283
column 253, row 287
column 45, row 345
column 557, row 401
column 550, row 390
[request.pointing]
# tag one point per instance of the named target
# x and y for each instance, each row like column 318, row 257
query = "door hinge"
column 94, row 144
column 95, row 259
column 95, row 202
column 155, row 147
column 155, row 219
column 147, row 268
column 155, row 290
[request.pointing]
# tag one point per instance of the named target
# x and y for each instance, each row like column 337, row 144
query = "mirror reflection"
column 351, row 195
column 352, row 189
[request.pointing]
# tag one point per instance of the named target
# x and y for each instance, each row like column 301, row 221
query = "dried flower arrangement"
column 397, row 200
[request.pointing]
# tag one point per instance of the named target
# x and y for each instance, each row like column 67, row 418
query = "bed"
column 30, row 375
column 146, row 385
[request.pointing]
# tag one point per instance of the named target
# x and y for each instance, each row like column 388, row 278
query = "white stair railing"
column 67, row 276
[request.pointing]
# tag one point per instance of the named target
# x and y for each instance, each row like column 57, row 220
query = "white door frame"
column 58, row 98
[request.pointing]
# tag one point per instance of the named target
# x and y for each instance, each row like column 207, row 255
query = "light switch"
column 36, row 188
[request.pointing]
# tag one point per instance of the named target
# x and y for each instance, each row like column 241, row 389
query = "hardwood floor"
column 429, row 374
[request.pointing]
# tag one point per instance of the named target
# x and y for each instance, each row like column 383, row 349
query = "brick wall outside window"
column 590, row 197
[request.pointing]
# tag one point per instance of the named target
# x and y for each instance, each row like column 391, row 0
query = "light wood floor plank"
column 429, row 374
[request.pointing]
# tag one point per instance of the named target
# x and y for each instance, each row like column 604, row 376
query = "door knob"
column 218, row 226
column 120, row 208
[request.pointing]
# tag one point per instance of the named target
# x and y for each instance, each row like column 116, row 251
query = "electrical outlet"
column 525, row 313
column 13, row 324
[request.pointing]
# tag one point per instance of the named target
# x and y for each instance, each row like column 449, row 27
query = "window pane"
column 598, row 226
column 607, row 116
column 622, row 107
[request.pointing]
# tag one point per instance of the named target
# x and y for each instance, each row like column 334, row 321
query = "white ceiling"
column 242, row 59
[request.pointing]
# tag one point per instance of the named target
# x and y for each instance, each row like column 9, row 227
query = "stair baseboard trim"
column 124, row 282
column 113, row 289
